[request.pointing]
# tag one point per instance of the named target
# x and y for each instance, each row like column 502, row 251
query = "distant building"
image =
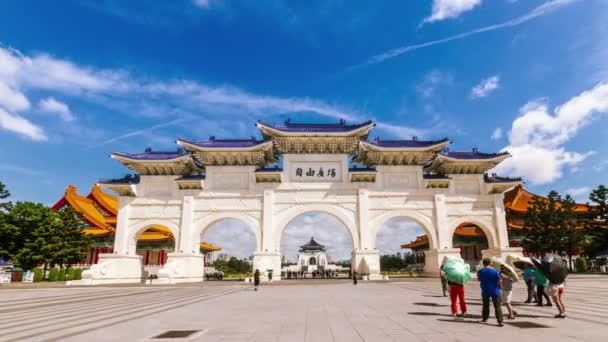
column 312, row 257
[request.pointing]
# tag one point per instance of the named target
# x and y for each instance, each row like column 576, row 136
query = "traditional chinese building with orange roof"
column 471, row 239
column 99, row 211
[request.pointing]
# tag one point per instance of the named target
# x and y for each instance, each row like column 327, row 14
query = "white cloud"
column 539, row 11
column 537, row 136
column 447, row 9
column 20, row 125
column 580, row 194
column 485, row 87
column 497, row 134
column 135, row 96
column 50, row 105
column 12, row 99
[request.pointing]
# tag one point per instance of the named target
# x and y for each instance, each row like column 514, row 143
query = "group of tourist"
column 316, row 274
column 497, row 287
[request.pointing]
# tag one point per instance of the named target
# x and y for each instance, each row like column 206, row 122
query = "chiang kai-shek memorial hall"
column 292, row 170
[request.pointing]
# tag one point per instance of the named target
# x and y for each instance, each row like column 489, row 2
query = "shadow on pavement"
column 429, row 304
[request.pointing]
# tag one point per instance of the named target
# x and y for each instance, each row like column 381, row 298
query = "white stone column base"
column 434, row 258
column 181, row 268
column 113, row 269
column 265, row 261
column 502, row 252
column 366, row 262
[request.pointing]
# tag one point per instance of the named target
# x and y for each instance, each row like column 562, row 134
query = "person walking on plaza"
column 354, row 277
column 507, row 291
column 490, row 283
column 556, row 292
column 541, row 282
column 531, row 286
column 444, row 281
column 256, row 279
column 457, row 293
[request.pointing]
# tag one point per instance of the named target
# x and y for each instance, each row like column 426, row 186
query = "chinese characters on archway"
column 316, row 172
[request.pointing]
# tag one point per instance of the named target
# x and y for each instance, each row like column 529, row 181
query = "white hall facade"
column 329, row 168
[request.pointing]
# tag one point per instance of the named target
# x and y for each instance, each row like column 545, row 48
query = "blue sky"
column 82, row 79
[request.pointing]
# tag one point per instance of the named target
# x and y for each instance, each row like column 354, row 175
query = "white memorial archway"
column 330, row 168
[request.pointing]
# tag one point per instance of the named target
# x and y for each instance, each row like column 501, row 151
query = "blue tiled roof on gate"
column 474, row 154
column 225, row 143
column 412, row 143
column 493, row 178
column 153, row 155
column 288, row 126
column 128, row 179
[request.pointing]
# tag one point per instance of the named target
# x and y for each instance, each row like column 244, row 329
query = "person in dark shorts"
column 490, row 283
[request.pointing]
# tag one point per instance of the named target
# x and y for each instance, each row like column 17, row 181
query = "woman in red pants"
column 457, row 293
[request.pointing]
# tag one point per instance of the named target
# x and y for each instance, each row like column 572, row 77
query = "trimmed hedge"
column 61, row 276
column 70, row 273
column 581, row 265
column 37, row 274
column 54, row 274
column 78, row 274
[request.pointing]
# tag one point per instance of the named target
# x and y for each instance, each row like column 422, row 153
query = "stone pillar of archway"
column 267, row 261
column 120, row 266
column 267, row 257
column 500, row 248
column 186, row 264
column 366, row 263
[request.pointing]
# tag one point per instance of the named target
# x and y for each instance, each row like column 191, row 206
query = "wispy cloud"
column 52, row 106
column 485, row 87
column 539, row 11
column 143, row 131
column 20, row 170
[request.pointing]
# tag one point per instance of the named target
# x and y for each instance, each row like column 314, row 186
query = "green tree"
column 542, row 221
column 598, row 223
column 16, row 228
column 37, row 234
column 3, row 191
column 571, row 232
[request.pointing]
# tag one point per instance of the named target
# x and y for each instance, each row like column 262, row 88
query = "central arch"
column 346, row 217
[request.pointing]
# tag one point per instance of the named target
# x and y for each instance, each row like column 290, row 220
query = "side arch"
column 203, row 224
column 422, row 220
column 346, row 217
column 484, row 224
column 141, row 226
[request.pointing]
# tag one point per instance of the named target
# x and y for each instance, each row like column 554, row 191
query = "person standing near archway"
column 256, row 279
column 355, row 277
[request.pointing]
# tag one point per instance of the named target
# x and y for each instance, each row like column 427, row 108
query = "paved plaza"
column 408, row 310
